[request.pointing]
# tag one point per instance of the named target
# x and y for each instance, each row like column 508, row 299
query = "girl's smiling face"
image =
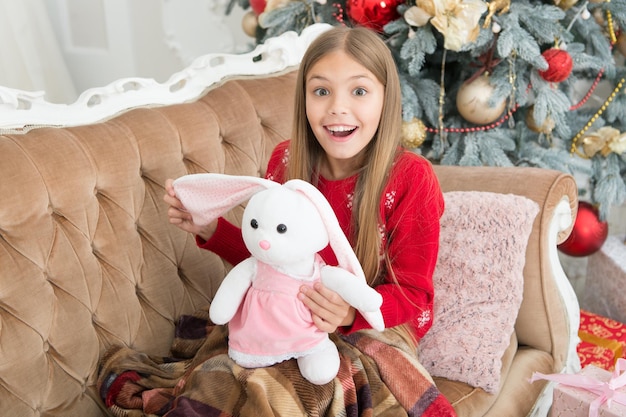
column 344, row 101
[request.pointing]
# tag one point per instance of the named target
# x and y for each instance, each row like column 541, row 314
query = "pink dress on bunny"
column 272, row 324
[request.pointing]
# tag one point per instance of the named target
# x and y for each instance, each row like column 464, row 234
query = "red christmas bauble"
column 588, row 234
column 560, row 65
column 373, row 14
column 258, row 6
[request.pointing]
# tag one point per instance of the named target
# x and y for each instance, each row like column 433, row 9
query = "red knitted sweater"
column 411, row 207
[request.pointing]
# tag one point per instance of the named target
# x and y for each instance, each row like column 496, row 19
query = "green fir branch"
column 410, row 103
column 540, row 20
column 518, row 40
column 610, row 188
column 415, row 49
column 295, row 15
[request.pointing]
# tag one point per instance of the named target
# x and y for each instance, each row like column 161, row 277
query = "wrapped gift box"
column 602, row 340
column 592, row 354
column 574, row 401
column 606, row 279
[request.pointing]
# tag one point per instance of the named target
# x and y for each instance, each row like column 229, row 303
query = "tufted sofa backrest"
column 87, row 256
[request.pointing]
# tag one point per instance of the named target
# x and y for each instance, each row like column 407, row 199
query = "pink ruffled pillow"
column 479, row 285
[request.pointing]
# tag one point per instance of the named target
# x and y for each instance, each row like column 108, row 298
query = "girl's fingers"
column 328, row 296
column 327, row 307
column 172, row 201
column 316, row 301
column 323, row 325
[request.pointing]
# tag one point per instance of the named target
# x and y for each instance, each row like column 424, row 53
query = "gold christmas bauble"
column 249, row 23
column 413, row 133
column 472, row 101
column 598, row 16
column 546, row 127
column 565, row 4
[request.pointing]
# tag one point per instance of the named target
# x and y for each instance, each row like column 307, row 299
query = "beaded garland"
column 338, row 15
column 616, row 90
column 595, row 117
column 480, row 128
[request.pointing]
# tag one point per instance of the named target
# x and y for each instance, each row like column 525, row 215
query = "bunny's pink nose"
column 264, row 244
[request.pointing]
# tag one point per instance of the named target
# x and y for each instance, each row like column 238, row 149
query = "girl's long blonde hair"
column 305, row 153
column 367, row 48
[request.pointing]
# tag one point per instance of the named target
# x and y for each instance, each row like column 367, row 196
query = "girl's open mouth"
column 341, row 131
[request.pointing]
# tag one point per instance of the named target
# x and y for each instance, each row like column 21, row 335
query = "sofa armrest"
column 549, row 316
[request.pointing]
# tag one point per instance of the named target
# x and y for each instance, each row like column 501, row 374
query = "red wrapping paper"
column 603, row 341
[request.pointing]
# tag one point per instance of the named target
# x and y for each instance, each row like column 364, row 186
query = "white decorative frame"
column 561, row 221
column 22, row 110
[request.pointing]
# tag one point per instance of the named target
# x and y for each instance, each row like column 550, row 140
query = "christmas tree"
column 499, row 83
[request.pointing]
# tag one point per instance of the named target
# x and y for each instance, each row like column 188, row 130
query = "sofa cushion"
column 468, row 400
column 478, row 285
column 517, row 396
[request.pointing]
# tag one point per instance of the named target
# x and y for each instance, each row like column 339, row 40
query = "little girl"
column 346, row 141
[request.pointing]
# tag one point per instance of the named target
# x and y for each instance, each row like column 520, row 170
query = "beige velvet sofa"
column 88, row 259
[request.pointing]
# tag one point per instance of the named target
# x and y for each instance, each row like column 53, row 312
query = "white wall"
column 104, row 40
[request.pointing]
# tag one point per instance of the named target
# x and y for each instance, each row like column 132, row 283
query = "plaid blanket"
column 379, row 376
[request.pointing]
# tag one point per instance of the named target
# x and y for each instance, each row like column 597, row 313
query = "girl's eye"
column 320, row 91
column 254, row 224
column 360, row 91
column 281, row 228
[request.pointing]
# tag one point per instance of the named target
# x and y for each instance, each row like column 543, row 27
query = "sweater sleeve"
column 411, row 208
column 226, row 242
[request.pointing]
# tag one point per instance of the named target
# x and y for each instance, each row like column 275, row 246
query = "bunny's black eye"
column 254, row 224
column 281, row 228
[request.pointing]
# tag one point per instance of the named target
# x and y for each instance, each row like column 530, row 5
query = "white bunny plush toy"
column 283, row 227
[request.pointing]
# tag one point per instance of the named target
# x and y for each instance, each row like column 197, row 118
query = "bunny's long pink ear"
column 208, row 196
column 338, row 240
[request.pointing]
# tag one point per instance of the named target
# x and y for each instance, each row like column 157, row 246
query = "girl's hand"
column 328, row 309
column 180, row 217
